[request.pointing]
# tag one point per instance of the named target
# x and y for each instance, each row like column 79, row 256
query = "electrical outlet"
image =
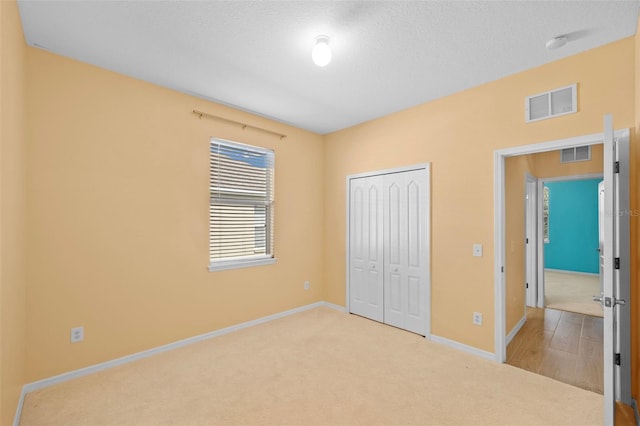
column 307, row 285
column 477, row 318
column 77, row 334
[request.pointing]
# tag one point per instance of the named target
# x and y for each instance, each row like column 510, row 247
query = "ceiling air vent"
column 578, row 153
column 556, row 102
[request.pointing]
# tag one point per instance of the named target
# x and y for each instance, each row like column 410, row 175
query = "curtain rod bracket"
column 243, row 125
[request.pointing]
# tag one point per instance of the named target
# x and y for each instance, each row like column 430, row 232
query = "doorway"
column 616, row 320
column 559, row 338
column 568, row 262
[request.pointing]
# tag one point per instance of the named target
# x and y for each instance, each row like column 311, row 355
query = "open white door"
column 615, row 281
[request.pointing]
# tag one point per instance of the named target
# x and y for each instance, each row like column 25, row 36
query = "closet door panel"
column 417, row 202
column 404, row 223
column 388, row 249
column 366, row 248
column 394, row 223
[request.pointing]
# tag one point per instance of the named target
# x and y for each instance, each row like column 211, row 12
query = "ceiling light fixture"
column 321, row 53
column 557, row 42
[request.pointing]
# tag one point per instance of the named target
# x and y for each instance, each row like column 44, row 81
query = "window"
column 240, row 205
column 545, row 213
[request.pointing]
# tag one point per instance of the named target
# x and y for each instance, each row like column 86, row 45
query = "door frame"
column 426, row 255
column 500, row 346
column 531, row 235
column 540, row 266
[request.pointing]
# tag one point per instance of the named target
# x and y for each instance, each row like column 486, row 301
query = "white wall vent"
column 578, row 153
column 553, row 103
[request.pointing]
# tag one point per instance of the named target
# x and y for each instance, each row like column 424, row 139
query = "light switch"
column 477, row 250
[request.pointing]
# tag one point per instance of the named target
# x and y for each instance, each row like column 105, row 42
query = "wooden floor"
column 561, row 345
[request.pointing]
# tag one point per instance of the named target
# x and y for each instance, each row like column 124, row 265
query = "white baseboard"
column 462, row 347
column 634, row 404
column 40, row 384
column 515, row 330
column 16, row 418
column 336, row 307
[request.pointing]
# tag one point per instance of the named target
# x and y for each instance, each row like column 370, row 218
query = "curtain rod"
column 243, row 125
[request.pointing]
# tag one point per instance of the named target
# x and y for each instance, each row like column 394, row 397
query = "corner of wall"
column 12, row 211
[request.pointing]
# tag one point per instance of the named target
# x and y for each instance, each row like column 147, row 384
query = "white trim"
column 237, row 264
column 334, row 306
column 499, row 225
column 60, row 378
column 592, row 139
column 562, row 271
column 347, row 301
column 412, row 167
column 572, row 177
column 462, row 347
column 531, row 233
column 541, row 242
column 499, row 231
column 634, row 405
column 16, row 418
column 516, row 329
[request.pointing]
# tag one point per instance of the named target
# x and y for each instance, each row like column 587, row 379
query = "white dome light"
column 321, row 53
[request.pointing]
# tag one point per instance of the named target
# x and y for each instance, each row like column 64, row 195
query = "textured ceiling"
column 256, row 55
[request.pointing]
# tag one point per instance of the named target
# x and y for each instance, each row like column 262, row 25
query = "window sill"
column 237, row 264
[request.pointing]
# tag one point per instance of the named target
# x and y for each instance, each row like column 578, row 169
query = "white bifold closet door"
column 388, row 248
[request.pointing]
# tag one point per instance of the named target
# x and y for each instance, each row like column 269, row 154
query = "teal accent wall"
column 573, row 226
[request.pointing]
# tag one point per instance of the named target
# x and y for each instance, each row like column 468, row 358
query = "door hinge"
column 526, row 241
column 616, row 263
column 616, row 167
column 502, row 269
column 617, row 359
column 527, row 284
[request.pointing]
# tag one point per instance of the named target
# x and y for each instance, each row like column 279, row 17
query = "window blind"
column 241, row 202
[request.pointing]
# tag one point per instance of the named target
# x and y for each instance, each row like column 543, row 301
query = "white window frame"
column 226, row 263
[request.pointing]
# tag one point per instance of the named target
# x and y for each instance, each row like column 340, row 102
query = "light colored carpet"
column 572, row 292
column 318, row 367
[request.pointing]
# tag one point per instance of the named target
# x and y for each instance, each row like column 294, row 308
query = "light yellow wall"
column 118, row 217
column 515, row 170
column 12, row 211
column 458, row 135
